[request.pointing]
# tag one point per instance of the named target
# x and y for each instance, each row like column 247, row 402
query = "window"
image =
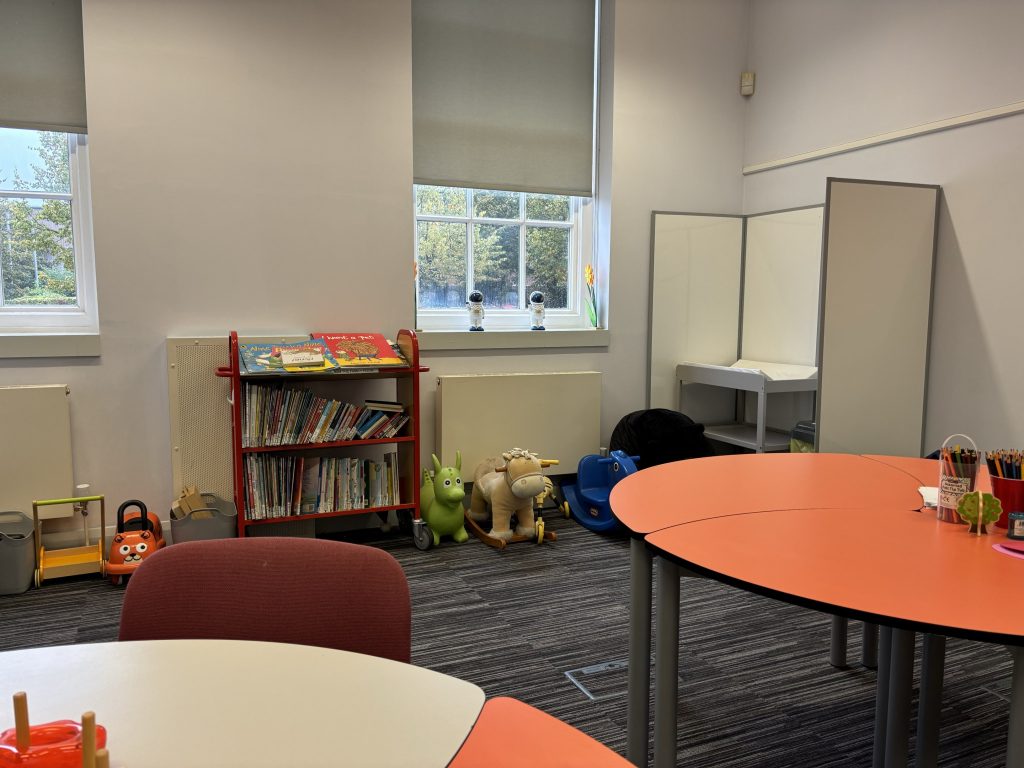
column 504, row 98
column 505, row 245
column 47, row 278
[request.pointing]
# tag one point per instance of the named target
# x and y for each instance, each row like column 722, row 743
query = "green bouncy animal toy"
column 441, row 501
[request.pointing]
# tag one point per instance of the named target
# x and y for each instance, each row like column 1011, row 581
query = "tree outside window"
column 37, row 255
column 504, row 244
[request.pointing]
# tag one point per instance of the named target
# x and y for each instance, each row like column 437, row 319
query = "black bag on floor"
column 658, row 436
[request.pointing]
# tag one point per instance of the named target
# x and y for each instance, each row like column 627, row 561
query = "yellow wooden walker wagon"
column 70, row 561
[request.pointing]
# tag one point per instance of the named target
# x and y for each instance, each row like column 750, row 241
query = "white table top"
column 222, row 703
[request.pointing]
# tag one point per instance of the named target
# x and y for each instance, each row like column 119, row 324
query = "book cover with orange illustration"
column 361, row 350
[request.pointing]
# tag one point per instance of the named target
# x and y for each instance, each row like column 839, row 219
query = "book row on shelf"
column 322, row 353
column 283, row 486
column 280, row 415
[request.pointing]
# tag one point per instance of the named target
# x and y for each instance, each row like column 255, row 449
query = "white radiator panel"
column 556, row 415
column 35, row 452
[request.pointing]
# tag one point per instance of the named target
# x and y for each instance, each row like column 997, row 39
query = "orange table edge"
column 663, row 502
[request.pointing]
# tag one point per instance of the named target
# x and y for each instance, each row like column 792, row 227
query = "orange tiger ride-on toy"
column 138, row 535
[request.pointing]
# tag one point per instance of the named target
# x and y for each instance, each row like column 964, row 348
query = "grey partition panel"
column 876, row 315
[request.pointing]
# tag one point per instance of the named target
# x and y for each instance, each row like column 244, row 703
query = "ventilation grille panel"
column 200, row 415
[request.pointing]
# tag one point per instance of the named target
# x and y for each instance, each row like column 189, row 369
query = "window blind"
column 42, row 70
column 503, row 94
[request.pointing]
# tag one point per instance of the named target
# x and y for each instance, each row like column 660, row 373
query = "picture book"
column 385, row 405
column 363, row 350
column 259, row 358
column 304, row 356
column 298, row 357
column 309, row 486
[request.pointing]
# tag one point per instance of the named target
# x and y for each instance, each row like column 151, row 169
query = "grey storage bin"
column 218, row 520
column 17, row 553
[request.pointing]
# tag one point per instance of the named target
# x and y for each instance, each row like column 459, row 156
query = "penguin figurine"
column 476, row 311
column 536, row 311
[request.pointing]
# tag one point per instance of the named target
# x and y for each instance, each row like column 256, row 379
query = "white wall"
column 676, row 144
column 831, row 72
column 252, row 170
column 249, row 162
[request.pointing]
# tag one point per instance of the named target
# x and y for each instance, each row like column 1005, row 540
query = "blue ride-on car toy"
column 588, row 496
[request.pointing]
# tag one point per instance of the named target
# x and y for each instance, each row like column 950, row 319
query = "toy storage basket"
column 17, row 554
column 218, row 520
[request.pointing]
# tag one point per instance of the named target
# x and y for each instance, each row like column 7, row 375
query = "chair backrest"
column 286, row 590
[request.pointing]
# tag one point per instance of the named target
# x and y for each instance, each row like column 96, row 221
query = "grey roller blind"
column 42, row 71
column 503, row 94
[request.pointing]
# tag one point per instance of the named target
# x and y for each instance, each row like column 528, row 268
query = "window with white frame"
column 508, row 246
column 47, row 277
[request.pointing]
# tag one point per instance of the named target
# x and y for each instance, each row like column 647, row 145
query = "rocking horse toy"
column 507, row 487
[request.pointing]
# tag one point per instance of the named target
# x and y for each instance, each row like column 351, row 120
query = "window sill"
column 49, row 345
column 454, row 340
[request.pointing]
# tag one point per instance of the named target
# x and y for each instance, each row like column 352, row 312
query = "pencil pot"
column 958, row 473
column 1011, row 498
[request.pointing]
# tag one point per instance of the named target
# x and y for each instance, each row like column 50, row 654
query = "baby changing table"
column 744, row 376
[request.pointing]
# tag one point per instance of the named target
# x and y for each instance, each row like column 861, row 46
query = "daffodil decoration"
column 588, row 275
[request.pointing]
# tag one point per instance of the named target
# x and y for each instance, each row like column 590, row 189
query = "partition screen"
column 695, row 296
column 781, row 277
column 875, row 318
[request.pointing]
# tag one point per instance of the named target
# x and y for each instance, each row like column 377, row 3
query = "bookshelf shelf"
column 322, row 446
column 290, row 482
column 336, row 513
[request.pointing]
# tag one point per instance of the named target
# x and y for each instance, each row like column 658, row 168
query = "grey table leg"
column 897, row 721
column 666, row 664
column 882, row 695
column 638, row 710
column 929, row 707
column 869, row 645
column 1015, row 740
column 837, row 650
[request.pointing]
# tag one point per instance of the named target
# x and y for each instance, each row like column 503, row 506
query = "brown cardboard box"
column 191, row 500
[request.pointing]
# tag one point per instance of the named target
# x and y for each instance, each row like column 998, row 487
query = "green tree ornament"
column 979, row 509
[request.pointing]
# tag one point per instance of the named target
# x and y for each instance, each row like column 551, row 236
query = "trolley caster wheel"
column 115, row 580
column 565, row 509
column 540, row 530
column 36, row 579
column 422, row 537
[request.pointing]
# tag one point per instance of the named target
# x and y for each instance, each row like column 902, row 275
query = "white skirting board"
column 556, row 415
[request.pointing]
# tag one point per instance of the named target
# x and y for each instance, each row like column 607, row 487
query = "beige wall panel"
column 876, row 317
column 556, row 415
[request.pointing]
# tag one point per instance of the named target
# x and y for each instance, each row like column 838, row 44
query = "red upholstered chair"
column 285, row 590
column 511, row 734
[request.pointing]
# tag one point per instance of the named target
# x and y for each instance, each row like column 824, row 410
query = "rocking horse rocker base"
column 493, row 541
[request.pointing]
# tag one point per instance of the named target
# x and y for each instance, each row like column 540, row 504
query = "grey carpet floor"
column 755, row 685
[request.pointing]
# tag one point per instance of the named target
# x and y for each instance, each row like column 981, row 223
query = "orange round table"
column 851, row 541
